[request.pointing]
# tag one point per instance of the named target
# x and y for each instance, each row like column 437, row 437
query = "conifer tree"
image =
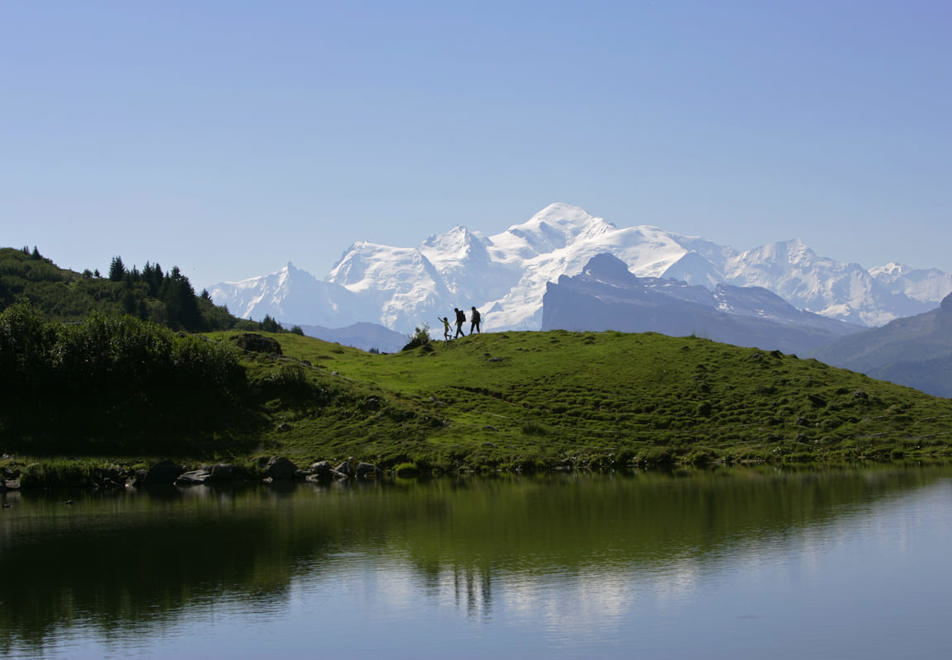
column 117, row 270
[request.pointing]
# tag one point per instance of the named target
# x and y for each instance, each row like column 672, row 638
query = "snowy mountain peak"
column 552, row 228
column 794, row 251
column 915, row 283
column 889, row 271
column 458, row 243
column 505, row 275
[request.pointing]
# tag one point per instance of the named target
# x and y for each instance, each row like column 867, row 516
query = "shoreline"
column 91, row 474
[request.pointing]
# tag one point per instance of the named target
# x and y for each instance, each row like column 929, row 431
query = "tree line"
column 150, row 294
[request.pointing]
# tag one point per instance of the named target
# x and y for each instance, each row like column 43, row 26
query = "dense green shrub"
column 111, row 383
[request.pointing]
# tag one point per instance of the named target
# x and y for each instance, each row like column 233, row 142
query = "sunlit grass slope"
column 543, row 399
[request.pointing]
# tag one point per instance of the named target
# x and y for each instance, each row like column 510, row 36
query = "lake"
column 737, row 563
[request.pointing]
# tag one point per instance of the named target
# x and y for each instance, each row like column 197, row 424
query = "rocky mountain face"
column 607, row 296
column 506, row 274
column 914, row 351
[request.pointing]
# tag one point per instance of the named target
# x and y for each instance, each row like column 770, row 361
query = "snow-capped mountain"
column 293, row 295
column 505, row 276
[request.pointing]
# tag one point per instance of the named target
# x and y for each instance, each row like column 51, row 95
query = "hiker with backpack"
column 460, row 320
column 475, row 318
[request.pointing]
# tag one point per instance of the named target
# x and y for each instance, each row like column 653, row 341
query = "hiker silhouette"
column 446, row 327
column 460, row 320
column 475, row 318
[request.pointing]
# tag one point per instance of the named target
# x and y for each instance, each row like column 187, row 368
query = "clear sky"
column 230, row 137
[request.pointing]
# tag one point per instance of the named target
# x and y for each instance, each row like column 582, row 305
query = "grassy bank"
column 547, row 400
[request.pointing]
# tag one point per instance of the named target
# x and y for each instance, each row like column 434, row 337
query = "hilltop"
column 134, row 391
column 548, row 399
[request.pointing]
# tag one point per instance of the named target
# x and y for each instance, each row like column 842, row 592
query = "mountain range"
column 505, row 275
column 915, row 351
column 607, row 296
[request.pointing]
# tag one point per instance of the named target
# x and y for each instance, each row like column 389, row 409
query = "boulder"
column 256, row 343
column 162, row 474
column 109, row 478
column 368, row 471
column 222, row 472
column 323, row 470
column 281, row 469
column 345, row 468
column 321, row 466
column 193, row 478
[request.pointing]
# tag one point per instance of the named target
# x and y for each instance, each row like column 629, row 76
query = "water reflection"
column 578, row 553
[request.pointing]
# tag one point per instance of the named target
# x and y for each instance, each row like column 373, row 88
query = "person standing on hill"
column 460, row 320
column 475, row 318
column 446, row 328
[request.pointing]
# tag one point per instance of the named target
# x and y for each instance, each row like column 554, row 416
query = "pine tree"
column 117, row 270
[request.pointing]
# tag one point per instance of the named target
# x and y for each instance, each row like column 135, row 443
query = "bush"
column 406, row 470
column 111, row 383
column 533, row 428
column 420, row 337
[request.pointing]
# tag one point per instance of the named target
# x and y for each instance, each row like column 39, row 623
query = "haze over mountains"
column 505, row 276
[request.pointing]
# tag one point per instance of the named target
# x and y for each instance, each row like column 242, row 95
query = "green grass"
column 536, row 400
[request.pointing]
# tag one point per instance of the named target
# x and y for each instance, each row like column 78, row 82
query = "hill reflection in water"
column 567, row 556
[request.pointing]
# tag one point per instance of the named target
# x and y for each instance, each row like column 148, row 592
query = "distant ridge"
column 365, row 336
column 914, row 351
column 607, row 296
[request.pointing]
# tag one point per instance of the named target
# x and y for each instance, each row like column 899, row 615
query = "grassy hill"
column 546, row 399
column 166, row 298
column 81, row 379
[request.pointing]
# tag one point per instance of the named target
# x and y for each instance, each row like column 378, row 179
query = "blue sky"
column 230, row 137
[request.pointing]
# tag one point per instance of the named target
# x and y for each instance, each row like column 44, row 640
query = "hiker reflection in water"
column 475, row 318
column 460, row 320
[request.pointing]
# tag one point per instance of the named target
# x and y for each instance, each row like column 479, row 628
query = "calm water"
column 728, row 564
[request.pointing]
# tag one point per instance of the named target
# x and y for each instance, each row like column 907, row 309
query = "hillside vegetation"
column 549, row 399
column 101, row 366
column 117, row 385
column 166, row 298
